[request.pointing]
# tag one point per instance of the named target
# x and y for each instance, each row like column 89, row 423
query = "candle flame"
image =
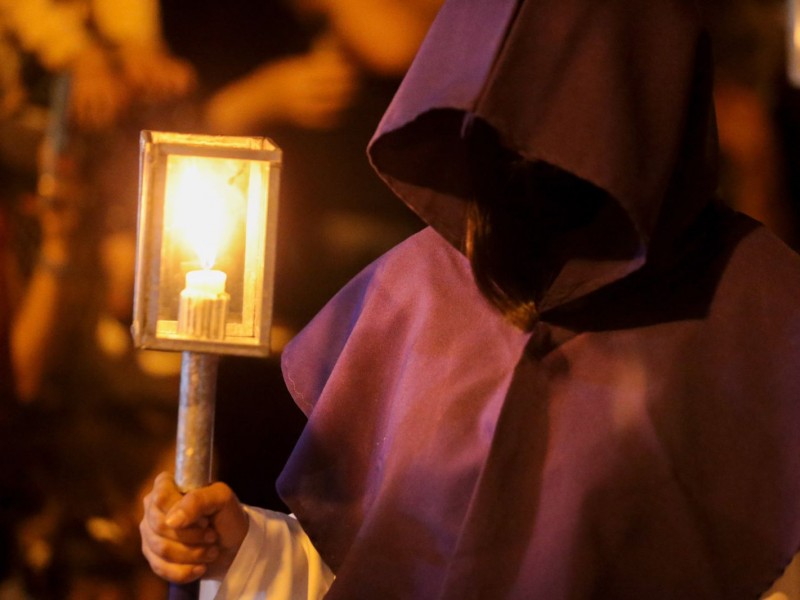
column 199, row 210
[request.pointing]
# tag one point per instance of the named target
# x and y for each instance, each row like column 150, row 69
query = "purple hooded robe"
column 643, row 440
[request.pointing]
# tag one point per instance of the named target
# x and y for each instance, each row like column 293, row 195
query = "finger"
column 196, row 504
column 176, row 573
column 154, row 521
column 177, row 552
column 191, row 536
column 164, row 495
column 159, row 500
column 165, row 491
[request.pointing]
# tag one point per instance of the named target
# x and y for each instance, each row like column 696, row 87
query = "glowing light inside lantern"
column 201, row 199
column 199, row 210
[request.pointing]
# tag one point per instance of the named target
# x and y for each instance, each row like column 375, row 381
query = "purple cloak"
column 643, row 441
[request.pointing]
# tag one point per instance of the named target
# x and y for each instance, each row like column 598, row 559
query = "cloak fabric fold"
column 646, row 447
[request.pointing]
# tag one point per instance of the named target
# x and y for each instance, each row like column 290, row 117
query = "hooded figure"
column 583, row 380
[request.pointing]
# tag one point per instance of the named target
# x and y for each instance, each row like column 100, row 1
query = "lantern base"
column 201, row 316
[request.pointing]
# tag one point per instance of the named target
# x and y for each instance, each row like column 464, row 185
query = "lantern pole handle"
column 195, row 435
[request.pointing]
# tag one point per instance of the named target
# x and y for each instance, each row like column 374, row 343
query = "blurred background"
column 85, row 419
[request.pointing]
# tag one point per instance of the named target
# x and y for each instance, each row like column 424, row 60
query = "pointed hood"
column 615, row 92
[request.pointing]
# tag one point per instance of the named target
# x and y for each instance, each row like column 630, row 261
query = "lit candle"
column 203, row 305
column 206, row 282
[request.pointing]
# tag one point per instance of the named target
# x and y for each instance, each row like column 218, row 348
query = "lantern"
column 206, row 243
column 204, row 270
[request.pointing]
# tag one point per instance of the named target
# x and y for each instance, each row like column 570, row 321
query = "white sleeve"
column 276, row 561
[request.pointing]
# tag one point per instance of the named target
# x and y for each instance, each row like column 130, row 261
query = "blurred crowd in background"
column 86, row 419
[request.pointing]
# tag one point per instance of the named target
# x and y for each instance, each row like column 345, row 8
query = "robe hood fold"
column 615, row 92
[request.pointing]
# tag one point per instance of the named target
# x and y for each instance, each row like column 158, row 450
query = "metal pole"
column 195, row 435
